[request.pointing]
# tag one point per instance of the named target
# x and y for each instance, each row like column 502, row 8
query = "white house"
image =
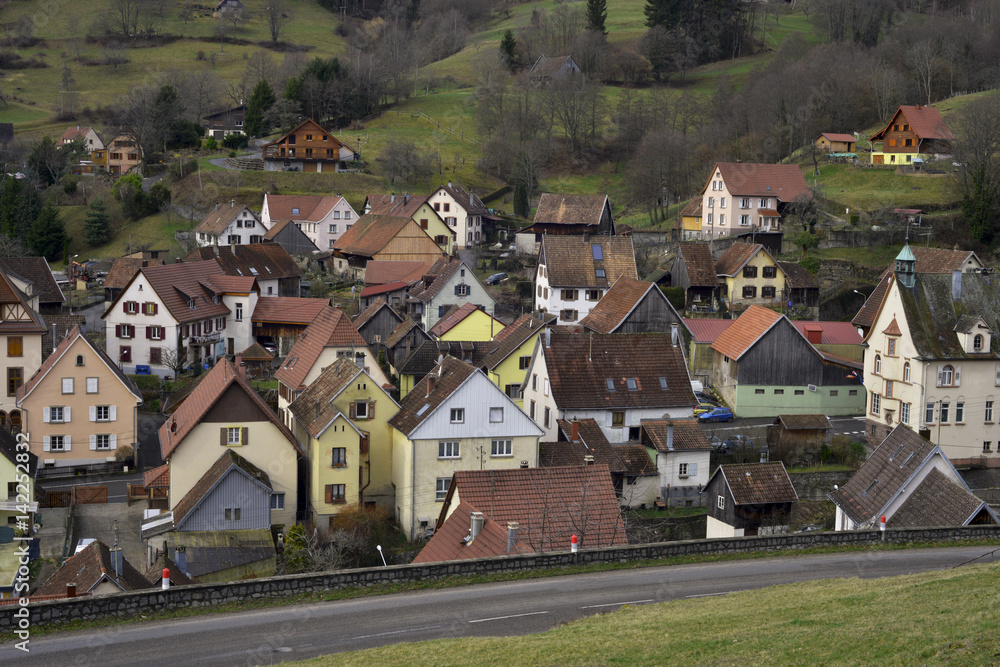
column 462, row 211
column 323, row 218
column 619, row 380
column 574, row 272
column 741, row 196
column 449, row 282
column 682, row 459
column 230, row 225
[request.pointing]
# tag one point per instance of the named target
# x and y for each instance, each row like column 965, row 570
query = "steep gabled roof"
column 288, row 309
column 74, row 132
column 797, row 277
column 256, row 352
column 926, row 123
column 330, row 328
column 436, row 277
column 123, row 268
column 381, row 272
column 932, row 313
column 746, row 179
column 757, row 483
column 209, row 390
column 546, row 66
column 941, row 260
column 571, row 261
column 456, row 315
column 399, row 332
column 303, row 124
column 369, row 312
column 581, row 366
column 706, row 330
column 314, row 407
column 310, row 208
column 10, row 294
column 736, row 257
column 218, row 220
column 557, row 209
column 700, row 265
column 88, row 568
column 631, row 460
column 865, row 317
column 398, row 205
column 833, row 333
column 177, row 285
column 674, row 435
column 157, row 478
column 370, row 234
column 746, row 331
column 940, row 501
column 229, row 460
column 430, row 393
column 425, row 356
column 514, row 336
column 467, row 200
column 619, row 301
column 36, row 271
column 265, row 261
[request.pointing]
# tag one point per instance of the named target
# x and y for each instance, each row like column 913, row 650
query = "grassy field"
column 154, row 232
column 871, row 189
column 947, row 617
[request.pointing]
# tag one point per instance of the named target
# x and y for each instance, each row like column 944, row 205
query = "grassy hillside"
column 944, row 617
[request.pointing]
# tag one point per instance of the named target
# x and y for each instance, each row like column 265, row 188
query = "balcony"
column 206, row 339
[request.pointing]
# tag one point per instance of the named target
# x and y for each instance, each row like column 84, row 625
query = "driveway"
column 98, row 521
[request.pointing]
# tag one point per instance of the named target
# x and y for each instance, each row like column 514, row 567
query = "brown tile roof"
column 177, row 578
column 926, row 123
column 797, row 277
column 429, row 393
column 380, row 272
column 256, row 352
column 36, row 270
column 75, row 132
column 124, row 268
column 738, row 254
column 805, row 422
column 399, row 332
column 435, row 278
column 288, row 309
column 218, row 220
column 276, row 228
column 58, row 327
column 865, row 317
column 618, row 302
column 312, row 208
column 158, row 477
column 189, row 413
column 262, row 260
column 226, row 462
column 331, row 328
column 939, row 501
column 692, row 210
column 893, row 328
column 745, row 331
column 833, row 333
column 514, row 335
column 467, row 200
column 370, row 234
column 10, row 294
column 570, row 262
column 758, row 483
column 674, row 435
column 745, row 179
column 549, row 505
column 386, row 288
column 76, row 334
column 579, row 367
column 87, row 568
column 177, row 284
column 591, row 441
column 224, row 284
column 402, row 205
column 706, row 330
column 424, row 357
column 320, row 394
column 700, row 265
column 635, row 459
column 454, row 317
column 555, row 209
column 941, row 260
column 834, row 136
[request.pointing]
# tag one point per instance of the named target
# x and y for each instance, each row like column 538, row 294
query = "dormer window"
column 977, row 343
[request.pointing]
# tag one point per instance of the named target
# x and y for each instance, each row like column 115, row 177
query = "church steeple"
column 906, row 266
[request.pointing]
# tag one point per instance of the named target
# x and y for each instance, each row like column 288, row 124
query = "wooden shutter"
column 371, row 409
column 124, row 306
column 114, row 441
column 156, row 308
column 353, row 411
column 245, row 436
column 958, row 375
column 692, row 469
column 328, row 488
column 113, row 412
column 222, row 436
column 67, row 414
column 93, row 413
column 66, row 443
column 45, row 416
column 940, row 376
column 364, row 443
column 149, row 333
column 118, row 331
column 457, row 288
column 93, row 442
column 46, row 443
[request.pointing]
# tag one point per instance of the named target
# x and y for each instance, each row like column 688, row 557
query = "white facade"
column 569, row 304
column 325, row 229
column 245, row 228
column 468, row 228
column 239, row 329
column 460, row 288
column 683, row 469
column 725, row 212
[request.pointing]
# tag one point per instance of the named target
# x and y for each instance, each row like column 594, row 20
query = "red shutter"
column 149, row 333
column 222, row 436
column 352, row 411
column 329, row 494
column 125, row 306
column 118, row 331
column 156, row 308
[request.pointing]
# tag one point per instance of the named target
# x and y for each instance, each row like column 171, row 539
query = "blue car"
column 716, row 415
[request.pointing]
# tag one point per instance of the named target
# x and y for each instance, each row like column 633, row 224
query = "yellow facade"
column 28, row 361
column 690, row 227
column 512, row 371
column 435, row 227
column 475, row 326
column 735, row 284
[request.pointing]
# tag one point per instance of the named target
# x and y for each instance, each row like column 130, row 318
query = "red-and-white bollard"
column 574, row 544
column 881, row 526
column 166, row 578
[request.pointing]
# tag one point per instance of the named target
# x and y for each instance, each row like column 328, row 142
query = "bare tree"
column 200, row 91
column 567, row 103
column 124, row 16
column 977, row 150
column 923, row 60
column 274, row 12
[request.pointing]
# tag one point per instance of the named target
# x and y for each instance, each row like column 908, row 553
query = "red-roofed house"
column 85, row 134
column 230, row 225
column 466, row 322
column 308, row 147
column 763, row 366
column 703, row 334
column 417, row 208
column 462, row 211
column 749, row 499
column 741, row 196
column 912, row 134
column 840, row 338
column 322, row 218
column 682, row 459
column 279, row 320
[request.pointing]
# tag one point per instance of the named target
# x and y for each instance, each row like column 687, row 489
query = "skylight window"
column 632, row 384
column 610, row 383
column 663, row 383
column 422, row 410
column 597, row 250
column 907, row 460
column 870, row 486
column 599, row 272
column 896, row 453
column 253, row 270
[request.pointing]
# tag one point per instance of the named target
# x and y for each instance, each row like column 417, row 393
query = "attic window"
column 632, row 384
column 599, row 273
column 663, row 383
column 903, row 464
column 870, row 486
column 896, row 453
column 191, row 304
column 423, row 409
column 253, row 270
column 610, row 383
column 597, row 250
column 295, row 211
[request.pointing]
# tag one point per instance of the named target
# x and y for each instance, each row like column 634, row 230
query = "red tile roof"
column 312, row 208
column 224, row 284
column 158, row 478
column 218, row 220
column 706, row 330
column 549, row 506
column 558, row 209
column 926, row 123
column 833, row 136
column 256, row 352
column 736, row 257
column 288, row 309
column 674, row 435
column 331, row 328
column 745, row 331
column 74, row 132
column 757, row 483
column 179, row 284
column 700, row 265
column 124, row 268
column 745, row 179
column 570, row 260
column 618, row 302
column 380, row 272
column 88, row 568
column 941, row 260
column 209, row 390
column 833, row 333
column 373, row 290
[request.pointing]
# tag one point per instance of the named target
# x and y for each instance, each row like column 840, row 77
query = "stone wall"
column 206, row 595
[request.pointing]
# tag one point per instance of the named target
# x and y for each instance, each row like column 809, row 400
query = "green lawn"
column 871, row 189
column 155, row 232
column 947, row 617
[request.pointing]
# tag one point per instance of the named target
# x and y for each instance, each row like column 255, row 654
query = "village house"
column 913, row 134
column 740, row 196
column 79, row 407
column 748, row 274
column 341, row 421
column 574, row 272
column 689, row 221
column 33, row 276
column 466, row 322
column 547, row 69
column 616, row 379
column 700, row 356
column 376, row 323
column 911, row 483
column 405, row 338
column 382, row 237
column 463, row 212
column 96, row 570
column 221, row 124
column 322, row 218
column 21, row 333
column 419, row 209
column 632, row 306
column 449, row 282
column 833, row 142
column 572, row 215
column 85, row 134
column 762, row 366
column 278, row 321
column 426, row 356
column 501, row 512
column 694, row 272
column 749, row 499
column 290, row 237
column 118, row 157
column 308, row 147
column 682, row 459
column 508, row 363
column 276, row 272
column 454, row 419
column 230, row 225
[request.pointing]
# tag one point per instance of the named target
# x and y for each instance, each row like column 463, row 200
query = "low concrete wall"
column 206, row 595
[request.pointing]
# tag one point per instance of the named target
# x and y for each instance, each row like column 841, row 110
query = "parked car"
column 716, row 415
column 496, row 279
column 704, row 407
column 739, row 442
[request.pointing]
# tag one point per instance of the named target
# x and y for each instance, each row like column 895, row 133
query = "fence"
column 73, row 471
column 56, row 499
column 90, row 495
column 460, row 134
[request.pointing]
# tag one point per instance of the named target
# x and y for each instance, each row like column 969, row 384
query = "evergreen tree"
column 20, row 204
column 97, row 225
column 597, row 15
column 522, row 208
column 260, row 102
column 47, row 234
column 508, row 46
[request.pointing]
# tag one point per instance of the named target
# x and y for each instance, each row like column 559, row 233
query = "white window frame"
column 98, row 445
column 441, row 489
column 361, row 410
column 457, row 415
column 496, row 415
column 502, row 447
column 720, row 502
column 234, row 436
column 449, row 449
column 904, row 413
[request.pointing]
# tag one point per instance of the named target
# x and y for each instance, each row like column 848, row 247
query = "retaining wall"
column 205, row 595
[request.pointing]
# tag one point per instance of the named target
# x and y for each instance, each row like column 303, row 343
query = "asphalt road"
column 513, row 608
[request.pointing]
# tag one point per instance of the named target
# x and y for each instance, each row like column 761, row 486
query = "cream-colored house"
column 79, row 407
column 749, row 275
column 454, row 419
column 740, row 196
column 224, row 411
column 341, row 421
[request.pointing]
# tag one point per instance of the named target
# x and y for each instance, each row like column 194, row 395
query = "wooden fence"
column 90, row 495
column 56, row 499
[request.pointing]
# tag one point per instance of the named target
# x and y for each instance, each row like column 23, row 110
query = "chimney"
column 588, row 460
column 449, row 184
column 216, row 206
column 956, row 285
column 511, row 535
column 574, row 431
column 471, row 197
column 476, row 521
column 430, row 384
column 71, row 590
column 232, row 203
column 814, row 335
column 586, row 236
column 116, row 562
column 670, row 437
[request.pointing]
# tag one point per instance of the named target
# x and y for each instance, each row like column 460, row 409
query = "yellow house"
column 750, row 275
column 426, row 356
column 690, row 221
column 17, row 502
column 341, row 421
column 79, row 407
column 507, row 365
column 418, row 210
column 454, row 419
column 466, row 322
column 224, row 411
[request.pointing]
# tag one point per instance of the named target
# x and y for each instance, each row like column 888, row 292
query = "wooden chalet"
column 308, row 147
column 832, row 142
column 912, row 130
